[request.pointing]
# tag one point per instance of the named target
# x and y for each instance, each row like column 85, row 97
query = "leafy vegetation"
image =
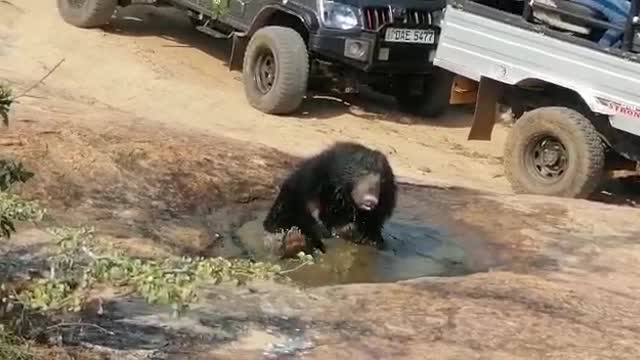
column 6, row 100
column 12, row 172
column 78, row 262
column 13, row 347
column 13, row 208
column 220, row 7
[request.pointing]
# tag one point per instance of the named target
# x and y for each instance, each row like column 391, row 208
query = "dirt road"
column 152, row 64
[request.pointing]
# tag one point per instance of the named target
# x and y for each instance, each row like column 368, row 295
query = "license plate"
column 414, row 36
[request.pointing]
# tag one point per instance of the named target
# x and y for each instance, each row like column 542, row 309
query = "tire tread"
column 293, row 68
column 98, row 13
column 587, row 180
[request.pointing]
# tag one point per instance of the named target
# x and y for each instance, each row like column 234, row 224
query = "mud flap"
column 484, row 117
column 239, row 45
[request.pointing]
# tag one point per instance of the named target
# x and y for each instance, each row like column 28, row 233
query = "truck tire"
column 435, row 96
column 276, row 70
column 87, row 13
column 554, row 151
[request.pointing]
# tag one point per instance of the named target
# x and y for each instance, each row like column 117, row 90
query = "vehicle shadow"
column 169, row 24
column 174, row 26
column 622, row 190
column 370, row 105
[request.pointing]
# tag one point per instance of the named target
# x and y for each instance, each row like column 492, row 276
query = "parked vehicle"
column 577, row 104
column 286, row 47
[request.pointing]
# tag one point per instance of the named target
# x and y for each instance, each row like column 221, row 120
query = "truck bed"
column 478, row 41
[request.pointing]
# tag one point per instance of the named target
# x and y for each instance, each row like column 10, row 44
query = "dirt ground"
column 150, row 63
column 143, row 124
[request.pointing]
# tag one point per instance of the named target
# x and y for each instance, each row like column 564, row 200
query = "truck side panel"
column 477, row 46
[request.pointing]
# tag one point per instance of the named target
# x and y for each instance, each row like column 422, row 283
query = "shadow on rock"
column 624, row 190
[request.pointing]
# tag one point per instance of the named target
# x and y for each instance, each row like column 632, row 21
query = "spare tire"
column 87, row 13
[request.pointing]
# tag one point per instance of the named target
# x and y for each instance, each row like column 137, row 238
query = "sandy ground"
column 143, row 124
column 152, row 64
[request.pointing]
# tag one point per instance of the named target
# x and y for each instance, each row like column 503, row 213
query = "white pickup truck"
column 577, row 104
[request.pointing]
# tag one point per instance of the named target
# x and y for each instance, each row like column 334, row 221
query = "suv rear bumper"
column 402, row 58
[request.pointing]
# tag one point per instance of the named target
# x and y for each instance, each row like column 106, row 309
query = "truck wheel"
column 554, row 151
column 276, row 70
column 435, row 96
column 87, row 13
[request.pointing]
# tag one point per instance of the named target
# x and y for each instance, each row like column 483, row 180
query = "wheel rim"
column 265, row 71
column 76, row 3
column 547, row 159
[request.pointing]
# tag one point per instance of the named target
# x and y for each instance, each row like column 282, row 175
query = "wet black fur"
column 328, row 178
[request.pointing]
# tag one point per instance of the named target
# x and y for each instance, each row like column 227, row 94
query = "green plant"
column 6, row 226
column 13, row 347
column 78, row 264
column 13, row 208
column 6, row 100
column 12, row 172
column 220, row 7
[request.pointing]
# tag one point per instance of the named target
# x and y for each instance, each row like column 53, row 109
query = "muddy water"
column 422, row 239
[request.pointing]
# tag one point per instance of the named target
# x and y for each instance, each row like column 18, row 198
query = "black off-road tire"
column 87, row 13
column 585, row 152
column 434, row 100
column 292, row 70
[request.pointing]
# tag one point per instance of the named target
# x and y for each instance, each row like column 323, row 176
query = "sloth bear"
column 346, row 186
